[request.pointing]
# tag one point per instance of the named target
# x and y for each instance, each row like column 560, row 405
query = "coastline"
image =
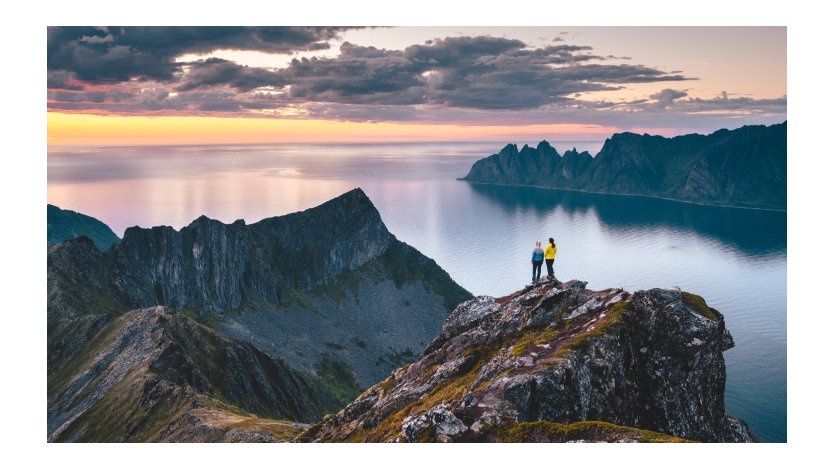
column 624, row 194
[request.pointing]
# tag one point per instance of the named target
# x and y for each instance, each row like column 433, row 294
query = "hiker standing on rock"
column 538, row 257
column 549, row 256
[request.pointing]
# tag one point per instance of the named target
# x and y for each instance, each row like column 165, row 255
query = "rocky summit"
column 556, row 362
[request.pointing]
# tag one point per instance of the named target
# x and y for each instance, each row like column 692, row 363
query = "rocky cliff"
column 328, row 291
column 745, row 167
column 557, row 362
column 65, row 224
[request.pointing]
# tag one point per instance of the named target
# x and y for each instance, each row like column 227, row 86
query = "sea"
column 482, row 235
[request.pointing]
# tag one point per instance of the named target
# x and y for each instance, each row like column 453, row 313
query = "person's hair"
column 552, row 243
column 538, row 243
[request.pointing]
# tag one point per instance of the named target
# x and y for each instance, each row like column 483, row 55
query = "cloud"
column 215, row 72
column 461, row 80
column 471, row 72
column 667, row 96
column 120, row 54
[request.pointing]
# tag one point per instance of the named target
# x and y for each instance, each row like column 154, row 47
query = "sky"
column 190, row 85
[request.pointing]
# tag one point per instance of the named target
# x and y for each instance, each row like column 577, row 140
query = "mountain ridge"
column 744, row 167
column 307, row 289
column 154, row 362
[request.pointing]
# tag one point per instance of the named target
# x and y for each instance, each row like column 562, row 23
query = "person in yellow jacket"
column 549, row 256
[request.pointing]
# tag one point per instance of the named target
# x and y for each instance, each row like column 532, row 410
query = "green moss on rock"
column 589, row 431
column 699, row 305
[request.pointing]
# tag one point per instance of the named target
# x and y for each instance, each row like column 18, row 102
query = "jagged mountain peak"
column 328, row 290
column 744, row 167
column 544, row 145
column 509, row 149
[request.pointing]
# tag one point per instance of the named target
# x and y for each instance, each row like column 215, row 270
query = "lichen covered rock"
column 557, row 354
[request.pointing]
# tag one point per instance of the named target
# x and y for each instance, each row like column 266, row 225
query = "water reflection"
column 480, row 234
column 751, row 232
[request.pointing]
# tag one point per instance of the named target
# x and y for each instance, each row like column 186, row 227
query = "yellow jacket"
column 550, row 252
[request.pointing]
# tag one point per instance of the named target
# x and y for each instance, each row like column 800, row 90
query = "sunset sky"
column 170, row 85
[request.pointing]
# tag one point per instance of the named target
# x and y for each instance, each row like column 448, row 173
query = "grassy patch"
column 116, row 412
column 533, row 338
column 612, row 317
column 485, row 384
column 309, row 434
column 336, row 380
column 698, row 304
column 210, row 320
column 589, row 431
column 293, row 296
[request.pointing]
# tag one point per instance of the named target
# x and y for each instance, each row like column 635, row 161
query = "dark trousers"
column 537, row 270
column 549, row 266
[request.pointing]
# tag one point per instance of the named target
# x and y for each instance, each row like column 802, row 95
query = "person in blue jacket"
column 538, row 259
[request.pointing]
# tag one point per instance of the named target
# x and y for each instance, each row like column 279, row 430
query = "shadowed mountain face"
column 328, row 291
column 64, row 225
column 745, row 167
column 556, row 362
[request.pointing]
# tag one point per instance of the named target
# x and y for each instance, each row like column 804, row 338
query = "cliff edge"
column 556, row 362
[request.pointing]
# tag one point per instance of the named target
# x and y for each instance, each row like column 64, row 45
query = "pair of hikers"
column 539, row 255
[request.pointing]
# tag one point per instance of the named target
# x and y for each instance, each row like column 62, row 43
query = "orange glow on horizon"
column 89, row 129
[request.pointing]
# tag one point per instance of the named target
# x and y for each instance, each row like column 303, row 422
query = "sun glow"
column 86, row 129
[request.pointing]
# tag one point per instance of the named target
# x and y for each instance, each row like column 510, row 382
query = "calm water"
column 482, row 235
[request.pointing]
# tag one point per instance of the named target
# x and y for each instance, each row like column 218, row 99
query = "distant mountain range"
column 322, row 303
column 65, row 224
column 745, row 167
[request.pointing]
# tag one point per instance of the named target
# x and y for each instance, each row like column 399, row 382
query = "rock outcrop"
column 556, row 362
column 745, row 167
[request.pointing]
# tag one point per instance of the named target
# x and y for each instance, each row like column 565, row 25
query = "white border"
column 24, row 196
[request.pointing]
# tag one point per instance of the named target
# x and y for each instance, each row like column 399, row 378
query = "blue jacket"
column 538, row 254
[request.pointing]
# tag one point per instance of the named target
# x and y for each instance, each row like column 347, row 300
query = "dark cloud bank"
column 134, row 70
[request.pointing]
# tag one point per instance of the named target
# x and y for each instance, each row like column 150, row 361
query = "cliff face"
column 557, row 362
column 329, row 291
column 65, row 224
column 154, row 375
column 216, row 267
column 744, row 167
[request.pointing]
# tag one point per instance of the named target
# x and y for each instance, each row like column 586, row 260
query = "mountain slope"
column 556, row 362
column 745, row 167
column 65, row 224
column 329, row 291
column 152, row 374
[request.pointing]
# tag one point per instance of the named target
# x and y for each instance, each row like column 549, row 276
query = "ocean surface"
column 481, row 235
